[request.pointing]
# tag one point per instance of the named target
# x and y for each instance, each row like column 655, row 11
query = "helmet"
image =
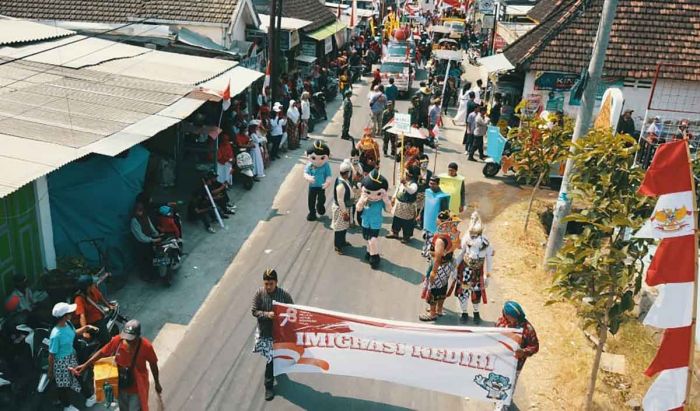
column 84, row 281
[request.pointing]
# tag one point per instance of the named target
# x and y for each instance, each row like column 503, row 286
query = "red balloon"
column 400, row 34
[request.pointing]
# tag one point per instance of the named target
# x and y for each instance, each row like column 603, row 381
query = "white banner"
column 473, row 362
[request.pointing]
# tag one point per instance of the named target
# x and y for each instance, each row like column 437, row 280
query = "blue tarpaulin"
column 495, row 143
column 94, row 199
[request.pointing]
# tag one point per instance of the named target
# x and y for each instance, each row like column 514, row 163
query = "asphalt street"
column 212, row 367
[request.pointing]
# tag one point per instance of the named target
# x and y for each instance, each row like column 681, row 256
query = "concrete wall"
column 217, row 34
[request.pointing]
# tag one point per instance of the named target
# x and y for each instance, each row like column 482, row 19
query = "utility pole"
column 494, row 28
column 272, row 55
column 583, row 123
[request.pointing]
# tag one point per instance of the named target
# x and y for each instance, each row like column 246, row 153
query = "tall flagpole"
column 695, row 282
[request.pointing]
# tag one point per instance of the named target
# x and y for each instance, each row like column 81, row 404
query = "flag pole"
column 693, row 324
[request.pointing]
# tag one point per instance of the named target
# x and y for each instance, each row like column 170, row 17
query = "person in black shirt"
column 626, row 124
column 495, row 114
column 263, row 311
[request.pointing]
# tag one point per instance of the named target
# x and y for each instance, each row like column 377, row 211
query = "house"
column 210, row 24
column 76, row 112
column 319, row 39
column 653, row 56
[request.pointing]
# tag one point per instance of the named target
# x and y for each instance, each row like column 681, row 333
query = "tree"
column 538, row 144
column 600, row 270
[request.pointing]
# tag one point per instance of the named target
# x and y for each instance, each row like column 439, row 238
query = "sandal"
column 427, row 310
column 426, row 317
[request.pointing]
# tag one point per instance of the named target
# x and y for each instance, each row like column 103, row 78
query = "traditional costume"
column 356, row 185
column 435, row 202
column 373, row 202
column 369, row 151
column 318, row 173
column 435, row 288
column 454, row 186
column 474, row 269
column 342, row 203
column 404, row 209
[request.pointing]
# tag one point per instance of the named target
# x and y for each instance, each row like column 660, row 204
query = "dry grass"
column 557, row 377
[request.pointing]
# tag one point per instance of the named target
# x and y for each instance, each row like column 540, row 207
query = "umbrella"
column 414, row 132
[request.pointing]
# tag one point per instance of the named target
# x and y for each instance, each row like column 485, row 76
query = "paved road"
column 213, row 368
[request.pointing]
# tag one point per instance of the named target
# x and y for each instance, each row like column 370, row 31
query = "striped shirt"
column 262, row 304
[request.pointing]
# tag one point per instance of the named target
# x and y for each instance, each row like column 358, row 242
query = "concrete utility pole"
column 583, row 123
column 273, row 39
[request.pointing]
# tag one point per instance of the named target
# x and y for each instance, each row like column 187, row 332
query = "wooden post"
column 693, row 324
column 403, row 153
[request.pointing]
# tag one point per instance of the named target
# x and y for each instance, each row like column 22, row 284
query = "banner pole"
column 693, row 324
column 403, row 153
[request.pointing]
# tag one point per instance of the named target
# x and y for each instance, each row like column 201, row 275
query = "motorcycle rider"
column 91, row 307
column 145, row 234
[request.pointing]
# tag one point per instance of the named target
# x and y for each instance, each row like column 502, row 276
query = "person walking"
column 481, row 124
column 262, row 310
column 341, row 209
column 438, row 250
column 452, row 183
column 461, row 117
column 131, row 352
column 404, row 209
column 377, row 104
column 293, row 122
column 62, row 355
column 389, row 138
column 513, row 316
column 305, row 115
column 392, row 92
column 347, row 115
column 277, row 125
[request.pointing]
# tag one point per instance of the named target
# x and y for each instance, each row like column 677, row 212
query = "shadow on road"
column 308, row 398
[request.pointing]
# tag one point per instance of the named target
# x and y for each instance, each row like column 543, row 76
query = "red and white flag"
column 226, row 96
column 673, row 270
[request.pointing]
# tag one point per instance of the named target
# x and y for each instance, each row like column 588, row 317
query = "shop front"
column 325, row 42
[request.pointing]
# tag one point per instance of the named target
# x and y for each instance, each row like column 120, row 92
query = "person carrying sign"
column 453, row 184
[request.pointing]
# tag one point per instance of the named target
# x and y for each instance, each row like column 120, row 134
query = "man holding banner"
column 453, row 184
column 262, row 310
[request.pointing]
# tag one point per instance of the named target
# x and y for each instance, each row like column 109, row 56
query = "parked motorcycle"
column 473, row 54
column 166, row 258
column 244, row 168
column 318, row 105
column 491, row 167
column 331, row 88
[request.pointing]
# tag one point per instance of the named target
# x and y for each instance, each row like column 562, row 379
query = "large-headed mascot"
column 373, row 201
column 474, row 269
column 318, row 173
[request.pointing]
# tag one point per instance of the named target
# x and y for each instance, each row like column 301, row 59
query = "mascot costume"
column 435, row 201
column 318, row 173
column 373, row 201
column 474, row 269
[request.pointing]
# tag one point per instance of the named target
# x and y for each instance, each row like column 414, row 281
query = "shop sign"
column 602, row 86
column 546, row 80
column 487, row 6
column 328, row 44
column 555, row 102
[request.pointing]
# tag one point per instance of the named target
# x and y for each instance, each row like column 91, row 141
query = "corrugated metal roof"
column 239, row 77
column 288, row 23
column 22, row 31
column 168, row 67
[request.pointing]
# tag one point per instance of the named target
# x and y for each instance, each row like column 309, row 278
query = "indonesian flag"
column 673, row 270
column 226, row 96
column 266, row 82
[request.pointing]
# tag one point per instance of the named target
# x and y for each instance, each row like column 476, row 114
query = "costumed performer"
column 318, row 173
column 439, row 249
column 369, row 151
column 342, row 201
column 435, row 201
column 474, row 269
column 356, row 176
column 373, row 201
column 404, row 209
column 453, row 184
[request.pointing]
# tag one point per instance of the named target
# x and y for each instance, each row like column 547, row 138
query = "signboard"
column 487, row 6
column 474, row 362
column 308, row 48
column 328, row 44
column 402, row 122
column 495, row 143
column 555, row 102
column 603, row 85
column 546, row 80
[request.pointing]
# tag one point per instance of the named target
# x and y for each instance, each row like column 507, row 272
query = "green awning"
column 327, row 31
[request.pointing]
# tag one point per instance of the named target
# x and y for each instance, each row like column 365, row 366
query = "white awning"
column 239, row 77
column 288, row 23
column 494, row 64
column 517, row 10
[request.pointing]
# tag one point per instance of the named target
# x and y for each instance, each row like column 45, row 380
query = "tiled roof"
column 120, row 11
column 311, row 10
column 643, row 34
column 542, row 9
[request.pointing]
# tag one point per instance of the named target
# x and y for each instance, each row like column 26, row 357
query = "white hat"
column 277, row 107
column 61, row 309
column 345, row 166
column 253, row 123
column 475, row 226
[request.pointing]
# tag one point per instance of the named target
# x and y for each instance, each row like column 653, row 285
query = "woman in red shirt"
column 224, row 157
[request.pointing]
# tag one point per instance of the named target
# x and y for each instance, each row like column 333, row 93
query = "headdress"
column 475, row 226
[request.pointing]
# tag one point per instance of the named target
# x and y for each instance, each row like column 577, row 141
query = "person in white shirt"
column 481, row 125
column 305, row 115
column 258, row 143
column 293, row 119
column 478, row 90
column 277, row 124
